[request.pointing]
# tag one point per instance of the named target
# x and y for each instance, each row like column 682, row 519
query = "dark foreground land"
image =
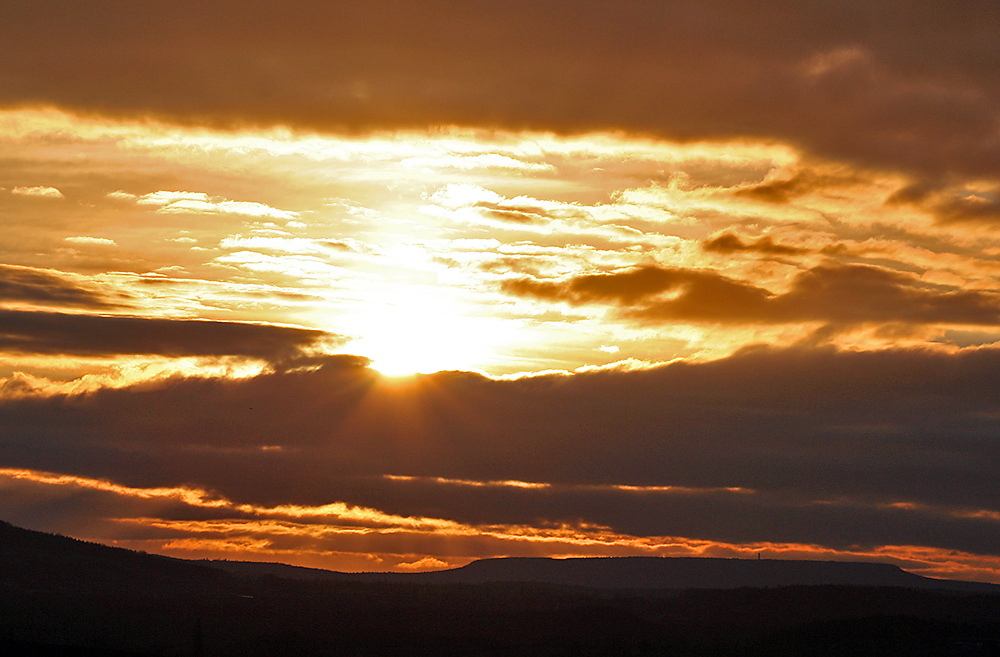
column 59, row 596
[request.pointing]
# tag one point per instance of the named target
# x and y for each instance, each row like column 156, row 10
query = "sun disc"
column 423, row 334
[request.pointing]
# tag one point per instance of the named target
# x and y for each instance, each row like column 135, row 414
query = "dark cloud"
column 841, row 294
column 823, row 444
column 50, row 333
column 635, row 286
column 44, row 287
column 950, row 206
column 520, row 264
column 908, row 85
column 728, row 243
column 859, row 294
column 339, row 245
column 969, row 209
column 783, row 191
column 511, row 212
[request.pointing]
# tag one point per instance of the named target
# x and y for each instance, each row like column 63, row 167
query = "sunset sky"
column 398, row 285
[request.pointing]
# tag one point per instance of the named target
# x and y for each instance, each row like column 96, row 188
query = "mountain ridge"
column 63, row 596
column 27, row 554
column 638, row 572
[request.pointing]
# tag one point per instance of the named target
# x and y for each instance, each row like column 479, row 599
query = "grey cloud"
column 43, row 287
column 858, row 294
column 842, row 294
column 338, row 245
column 633, row 286
column 506, row 213
column 949, row 206
column 727, row 243
column 783, row 191
column 51, row 333
column 969, row 210
column 511, row 211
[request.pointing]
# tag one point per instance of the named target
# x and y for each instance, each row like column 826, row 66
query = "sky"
column 399, row 285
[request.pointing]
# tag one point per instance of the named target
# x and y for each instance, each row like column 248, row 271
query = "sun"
column 420, row 332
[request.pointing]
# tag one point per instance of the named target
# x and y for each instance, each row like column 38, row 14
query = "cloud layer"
column 839, row 294
column 801, row 446
column 908, row 84
column 33, row 332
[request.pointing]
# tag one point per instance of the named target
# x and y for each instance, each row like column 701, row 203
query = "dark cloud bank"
column 824, row 442
column 903, row 85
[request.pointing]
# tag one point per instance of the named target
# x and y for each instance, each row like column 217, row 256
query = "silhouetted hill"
column 60, row 596
column 39, row 560
column 638, row 573
column 695, row 573
column 285, row 571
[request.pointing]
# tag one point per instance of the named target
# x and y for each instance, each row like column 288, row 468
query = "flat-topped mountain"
column 692, row 573
column 638, row 573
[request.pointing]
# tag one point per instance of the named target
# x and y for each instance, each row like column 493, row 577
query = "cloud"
column 727, row 243
column 482, row 161
column 427, row 563
column 100, row 241
column 296, row 245
column 510, row 212
column 840, row 294
column 951, row 206
column 844, row 80
column 51, row 333
column 200, row 203
column 784, row 190
column 475, row 204
column 807, row 446
column 298, row 267
column 43, row 192
column 163, row 198
column 969, row 209
column 50, row 288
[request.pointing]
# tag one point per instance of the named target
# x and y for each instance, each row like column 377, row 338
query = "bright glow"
column 422, row 332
